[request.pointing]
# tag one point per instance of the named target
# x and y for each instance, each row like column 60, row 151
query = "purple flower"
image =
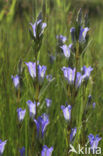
column 52, row 58
column 32, row 108
column 86, row 72
column 70, row 46
column 82, row 34
column 32, row 69
column 49, row 77
column 46, row 151
column 48, row 102
column 41, row 124
column 21, row 113
column 89, row 99
column 61, row 38
column 66, row 50
column 16, row 80
column 2, row 146
column 79, row 79
column 38, row 28
column 41, row 72
column 66, row 112
column 94, row 141
column 73, row 133
column 94, row 104
column 69, row 74
column 72, row 31
column 22, row 151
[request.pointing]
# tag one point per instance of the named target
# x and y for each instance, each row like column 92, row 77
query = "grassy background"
column 15, row 43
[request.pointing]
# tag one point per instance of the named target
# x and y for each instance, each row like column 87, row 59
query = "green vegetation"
column 16, row 45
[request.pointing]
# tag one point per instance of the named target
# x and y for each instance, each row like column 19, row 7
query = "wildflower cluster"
column 38, row 74
column 75, row 78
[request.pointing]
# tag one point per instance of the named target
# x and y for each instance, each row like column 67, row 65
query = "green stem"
column 36, row 99
column 37, row 89
column 73, row 91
